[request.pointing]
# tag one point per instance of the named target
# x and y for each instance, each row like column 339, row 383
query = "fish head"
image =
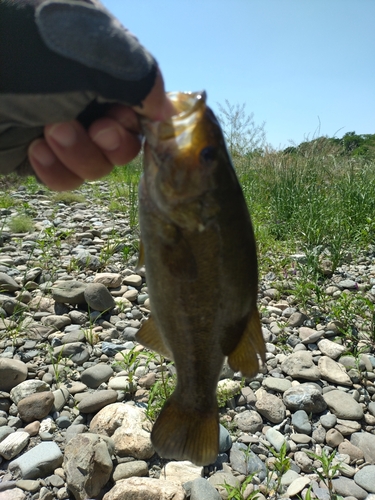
column 181, row 156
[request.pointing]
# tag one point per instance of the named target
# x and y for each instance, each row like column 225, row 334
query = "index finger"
column 156, row 106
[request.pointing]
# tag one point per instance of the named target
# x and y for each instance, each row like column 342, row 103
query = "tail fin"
column 186, row 434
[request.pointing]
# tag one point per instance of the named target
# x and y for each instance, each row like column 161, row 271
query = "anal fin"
column 244, row 357
column 150, row 336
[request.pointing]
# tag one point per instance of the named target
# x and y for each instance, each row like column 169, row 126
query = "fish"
column 200, row 257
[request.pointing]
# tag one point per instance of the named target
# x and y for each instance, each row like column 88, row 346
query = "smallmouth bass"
column 201, row 266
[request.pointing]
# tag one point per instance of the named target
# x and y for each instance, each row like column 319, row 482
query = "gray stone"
column 61, row 396
column 98, row 297
column 8, row 284
column 5, row 431
column 271, row 408
column 365, row 478
column 225, row 441
column 139, row 488
column 74, row 336
column 304, row 397
column 248, row 421
column 319, row 434
column 39, row 461
column 75, row 351
column 347, row 427
column 12, row 373
column 58, row 322
column 137, row 468
column 309, row 335
column 343, row 405
column 202, row 489
column 27, row 388
column 69, row 292
column 365, row 442
column 29, row 485
column 328, row 420
column 96, row 375
column 347, row 487
column 289, row 476
column 78, row 317
column 246, row 462
column 13, row 494
column 296, row 319
column 347, row 448
column 97, row 400
column 88, row 261
column 331, row 349
column 277, row 384
column 87, row 464
column 110, row 280
column 36, row 406
column 351, row 362
column 300, row 365
column 301, row 422
column 348, row 284
column 297, row 486
column 73, row 430
column 333, row 372
column 275, row 438
column 55, row 481
column 63, row 422
column 303, row 461
column 133, row 280
column 334, row 438
column 129, row 428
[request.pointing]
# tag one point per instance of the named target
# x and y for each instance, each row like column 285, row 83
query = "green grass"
column 69, row 197
column 21, row 224
column 310, row 201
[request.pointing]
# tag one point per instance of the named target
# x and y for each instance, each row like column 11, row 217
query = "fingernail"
column 108, row 139
column 42, row 154
column 64, row 134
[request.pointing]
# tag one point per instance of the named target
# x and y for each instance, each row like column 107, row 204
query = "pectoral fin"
column 244, row 357
column 149, row 336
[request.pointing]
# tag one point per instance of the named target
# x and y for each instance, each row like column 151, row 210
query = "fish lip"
column 187, row 104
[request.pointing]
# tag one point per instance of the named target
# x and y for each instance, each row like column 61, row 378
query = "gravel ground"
column 75, row 386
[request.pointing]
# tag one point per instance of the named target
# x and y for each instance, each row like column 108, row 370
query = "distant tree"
column 352, row 141
column 242, row 134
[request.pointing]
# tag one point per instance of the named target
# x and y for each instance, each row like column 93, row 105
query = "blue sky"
column 295, row 63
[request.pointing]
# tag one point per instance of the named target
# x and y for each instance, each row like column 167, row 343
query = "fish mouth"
column 189, row 107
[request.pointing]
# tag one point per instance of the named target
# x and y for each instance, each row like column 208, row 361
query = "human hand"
column 76, row 62
column 68, row 154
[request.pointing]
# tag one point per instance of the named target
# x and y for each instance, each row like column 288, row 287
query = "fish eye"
column 208, row 154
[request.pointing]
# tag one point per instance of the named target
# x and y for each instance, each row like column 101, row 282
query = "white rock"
column 181, row 472
column 13, row 444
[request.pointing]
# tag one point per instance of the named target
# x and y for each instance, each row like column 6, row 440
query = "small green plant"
column 21, row 224
column 6, row 201
column 327, row 470
column 59, row 364
column 68, row 197
column 110, row 247
column 281, row 465
column 237, row 492
column 160, row 392
column 130, row 362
